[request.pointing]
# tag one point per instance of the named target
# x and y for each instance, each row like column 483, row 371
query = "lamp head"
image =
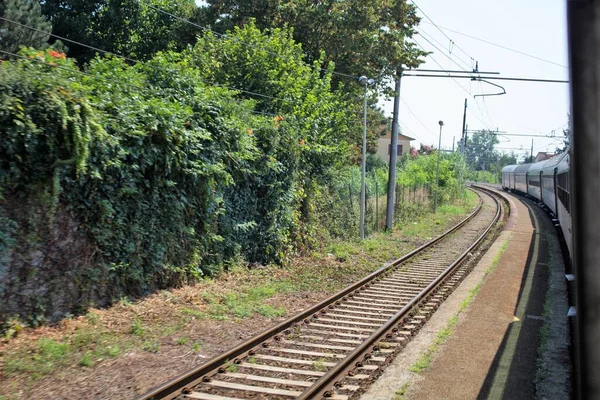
column 363, row 80
column 441, row 123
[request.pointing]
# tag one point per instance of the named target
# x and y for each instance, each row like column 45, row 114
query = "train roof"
column 509, row 168
column 523, row 167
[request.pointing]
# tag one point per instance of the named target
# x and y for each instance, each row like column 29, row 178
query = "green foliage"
column 24, row 12
column 127, row 27
column 422, row 170
column 151, row 346
column 369, row 37
column 136, row 327
column 182, row 340
column 86, row 360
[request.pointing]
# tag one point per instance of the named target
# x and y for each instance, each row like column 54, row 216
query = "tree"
column 25, row 12
column 361, row 37
column 480, row 152
column 131, row 28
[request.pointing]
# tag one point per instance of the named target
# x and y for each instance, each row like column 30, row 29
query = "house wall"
column 383, row 148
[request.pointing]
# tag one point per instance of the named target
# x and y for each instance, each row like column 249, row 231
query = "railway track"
column 338, row 347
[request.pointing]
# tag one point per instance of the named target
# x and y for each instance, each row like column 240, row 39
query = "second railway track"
column 336, row 348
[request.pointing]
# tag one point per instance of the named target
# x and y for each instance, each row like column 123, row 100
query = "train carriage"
column 507, row 176
column 534, row 180
column 520, row 178
column 548, row 182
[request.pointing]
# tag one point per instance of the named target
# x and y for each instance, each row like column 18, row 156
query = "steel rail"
column 323, row 387
column 177, row 385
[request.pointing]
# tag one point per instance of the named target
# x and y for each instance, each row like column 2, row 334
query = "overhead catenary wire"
column 499, row 45
column 455, row 81
column 424, row 35
column 418, row 119
column 452, row 42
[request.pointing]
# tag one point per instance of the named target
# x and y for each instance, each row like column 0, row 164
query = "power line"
column 411, row 132
column 469, row 67
column 443, row 53
column 451, row 76
column 439, row 65
column 160, row 10
column 488, row 77
column 452, row 43
column 499, row 45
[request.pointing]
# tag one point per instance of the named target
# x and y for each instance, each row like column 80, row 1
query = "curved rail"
column 321, row 388
column 179, row 385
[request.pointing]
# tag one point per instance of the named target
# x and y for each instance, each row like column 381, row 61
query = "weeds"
column 233, row 367
column 319, row 365
column 136, row 327
column 86, row 360
column 402, row 391
column 151, row 346
column 182, row 340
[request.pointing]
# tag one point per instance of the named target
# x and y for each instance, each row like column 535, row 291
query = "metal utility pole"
column 453, row 141
column 531, row 154
column 363, row 189
column 584, row 53
column 391, row 189
column 464, row 130
column 437, row 173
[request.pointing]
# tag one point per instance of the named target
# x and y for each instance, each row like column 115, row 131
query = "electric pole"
column 391, row 190
column 464, row 130
column 531, row 157
column 437, row 173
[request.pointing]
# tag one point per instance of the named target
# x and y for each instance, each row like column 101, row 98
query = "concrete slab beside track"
column 494, row 350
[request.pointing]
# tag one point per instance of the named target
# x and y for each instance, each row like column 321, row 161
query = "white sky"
column 536, row 27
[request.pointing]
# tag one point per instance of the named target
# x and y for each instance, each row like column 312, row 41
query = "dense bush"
column 169, row 178
column 120, row 179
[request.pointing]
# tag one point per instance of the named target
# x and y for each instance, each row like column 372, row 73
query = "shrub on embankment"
column 124, row 179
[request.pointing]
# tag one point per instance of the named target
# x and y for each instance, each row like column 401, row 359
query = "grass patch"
column 86, row 360
column 182, row 340
column 244, row 304
column 151, row 346
column 233, row 367
column 136, row 327
column 48, row 355
column 402, row 391
column 194, row 313
column 319, row 365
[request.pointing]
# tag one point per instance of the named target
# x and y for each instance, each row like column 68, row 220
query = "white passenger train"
column 547, row 182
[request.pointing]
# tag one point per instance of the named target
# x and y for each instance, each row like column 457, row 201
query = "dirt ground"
column 123, row 351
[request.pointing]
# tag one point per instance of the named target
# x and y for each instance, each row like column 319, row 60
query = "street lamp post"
column 363, row 80
column 437, row 173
